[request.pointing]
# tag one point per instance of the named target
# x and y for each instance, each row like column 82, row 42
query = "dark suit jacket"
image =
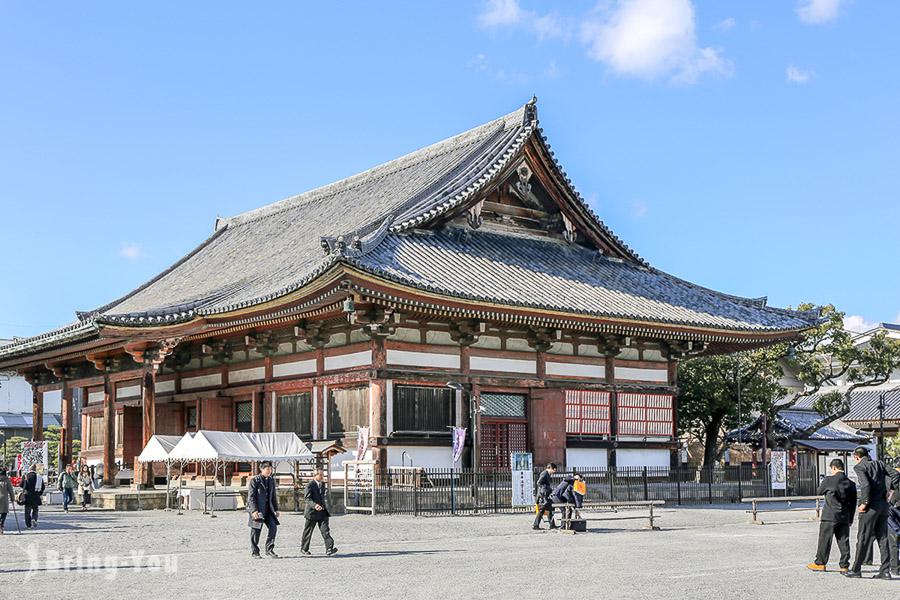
column 894, row 477
column 565, row 493
column 33, row 496
column 840, row 498
column 544, row 485
column 261, row 497
column 315, row 495
column 873, row 481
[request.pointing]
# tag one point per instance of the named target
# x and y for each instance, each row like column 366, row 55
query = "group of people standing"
column 547, row 496
column 262, row 504
column 33, row 486
column 879, row 494
column 69, row 482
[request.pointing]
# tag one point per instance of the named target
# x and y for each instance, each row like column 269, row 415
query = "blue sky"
column 751, row 147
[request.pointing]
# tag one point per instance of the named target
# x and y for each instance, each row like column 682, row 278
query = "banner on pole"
column 362, row 442
column 522, row 479
column 459, row 442
column 779, row 470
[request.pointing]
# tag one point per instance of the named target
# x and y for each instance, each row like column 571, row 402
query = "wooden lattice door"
column 499, row 439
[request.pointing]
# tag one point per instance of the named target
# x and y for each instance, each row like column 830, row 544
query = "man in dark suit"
column 34, row 485
column 873, row 511
column 262, row 504
column 894, row 520
column 837, row 516
column 544, row 491
column 316, row 513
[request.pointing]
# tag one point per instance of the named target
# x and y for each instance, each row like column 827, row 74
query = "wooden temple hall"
column 473, row 261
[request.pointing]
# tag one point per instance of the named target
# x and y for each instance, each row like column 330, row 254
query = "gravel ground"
column 700, row 553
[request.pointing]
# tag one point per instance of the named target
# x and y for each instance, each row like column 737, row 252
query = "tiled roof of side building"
column 545, row 274
column 864, row 402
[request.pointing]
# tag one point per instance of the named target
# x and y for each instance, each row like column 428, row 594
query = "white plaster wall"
column 130, row 391
column 162, row 387
column 642, row 458
column 503, row 365
column 346, row 361
column 246, row 375
column 422, row 359
column 298, row 367
column 433, row 457
column 637, row 374
column 200, row 381
column 575, row 370
column 586, row 458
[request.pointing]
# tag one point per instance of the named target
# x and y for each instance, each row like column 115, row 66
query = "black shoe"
column 255, row 556
column 852, row 574
column 271, row 554
column 305, row 552
column 882, row 576
column 34, row 524
column 896, row 572
column 330, row 551
column 553, row 526
column 536, row 527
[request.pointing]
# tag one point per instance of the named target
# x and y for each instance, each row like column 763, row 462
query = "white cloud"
column 638, row 209
column 553, row 71
column 132, row 251
column 795, row 75
column 509, row 13
column 817, row 12
column 652, row 39
column 498, row 13
column 725, row 25
column 858, row 324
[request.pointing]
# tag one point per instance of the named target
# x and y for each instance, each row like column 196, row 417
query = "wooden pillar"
column 37, row 412
column 109, row 438
column 148, row 429
column 610, row 372
column 378, row 399
column 548, row 425
column 319, row 432
column 65, row 437
column 258, row 399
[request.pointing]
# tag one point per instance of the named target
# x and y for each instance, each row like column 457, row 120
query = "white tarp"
column 159, row 447
column 226, row 445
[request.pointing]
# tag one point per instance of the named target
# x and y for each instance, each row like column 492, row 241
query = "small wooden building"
column 473, row 261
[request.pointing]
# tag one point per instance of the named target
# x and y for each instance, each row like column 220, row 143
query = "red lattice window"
column 645, row 414
column 587, row 412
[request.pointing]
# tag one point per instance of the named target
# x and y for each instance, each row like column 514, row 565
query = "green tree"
column 892, row 447
column 708, row 395
column 11, row 449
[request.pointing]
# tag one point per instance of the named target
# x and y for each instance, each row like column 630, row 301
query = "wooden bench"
column 789, row 500
column 614, row 507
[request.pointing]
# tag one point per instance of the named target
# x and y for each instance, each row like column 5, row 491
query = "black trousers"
column 3, row 519
column 873, row 526
column 272, row 529
column 545, row 509
column 324, row 529
column 31, row 514
column 894, row 547
column 828, row 531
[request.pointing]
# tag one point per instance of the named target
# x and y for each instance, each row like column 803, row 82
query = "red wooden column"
column 258, row 399
column 37, row 410
column 610, row 371
column 109, row 438
column 378, row 398
column 148, row 422
column 66, row 434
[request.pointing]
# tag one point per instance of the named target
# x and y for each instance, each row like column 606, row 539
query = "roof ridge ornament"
column 530, row 110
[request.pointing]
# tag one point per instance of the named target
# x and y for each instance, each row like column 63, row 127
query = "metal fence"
column 442, row 491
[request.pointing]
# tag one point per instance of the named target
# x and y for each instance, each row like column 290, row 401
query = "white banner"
column 362, row 442
column 522, row 479
column 779, row 470
column 35, row 453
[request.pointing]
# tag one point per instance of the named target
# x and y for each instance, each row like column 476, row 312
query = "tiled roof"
column 792, row 421
column 371, row 219
column 864, row 402
column 525, row 271
column 25, row 420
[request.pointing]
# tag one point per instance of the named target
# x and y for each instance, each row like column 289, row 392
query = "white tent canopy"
column 227, row 445
column 159, row 447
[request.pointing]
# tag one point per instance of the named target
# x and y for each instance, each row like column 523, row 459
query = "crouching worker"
column 565, row 494
column 544, row 491
column 837, row 516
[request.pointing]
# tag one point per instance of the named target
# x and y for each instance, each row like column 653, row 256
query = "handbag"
column 20, row 498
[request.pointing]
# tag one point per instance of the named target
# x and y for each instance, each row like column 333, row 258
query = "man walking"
column 544, row 490
column 837, row 516
column 316, row 513
column 34, row 486
column 894, row 520
column 873, row 511
column 66, row 484
column 262, row 504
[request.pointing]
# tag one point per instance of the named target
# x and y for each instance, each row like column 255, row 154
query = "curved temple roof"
column 371, row 220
